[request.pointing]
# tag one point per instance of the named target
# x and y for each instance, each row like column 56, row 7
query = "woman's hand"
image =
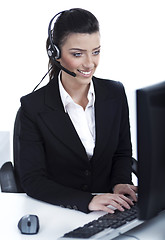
column 101, row 202
column 126, row 189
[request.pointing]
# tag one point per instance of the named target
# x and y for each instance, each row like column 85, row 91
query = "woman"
column 75, row 134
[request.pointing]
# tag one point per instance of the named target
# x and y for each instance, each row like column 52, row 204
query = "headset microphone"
column 64, row 69
column 51, row 53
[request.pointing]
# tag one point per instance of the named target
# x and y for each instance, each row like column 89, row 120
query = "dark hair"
column 75, row 20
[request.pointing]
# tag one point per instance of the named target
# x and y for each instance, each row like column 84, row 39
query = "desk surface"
column 55, row 221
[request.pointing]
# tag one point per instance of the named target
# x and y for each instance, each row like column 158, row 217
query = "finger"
column 125, row 202
column 120, row 201
column 107, row 209
column 131, row 191
column 102, row 207
column 133, row 195
column 115, row 205
column 100, row 203
column 134, row 188
column 113, row 201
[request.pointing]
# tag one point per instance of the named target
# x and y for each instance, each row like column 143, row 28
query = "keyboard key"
column 108, row 221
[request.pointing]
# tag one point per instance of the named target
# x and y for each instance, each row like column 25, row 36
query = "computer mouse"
column 29, row 224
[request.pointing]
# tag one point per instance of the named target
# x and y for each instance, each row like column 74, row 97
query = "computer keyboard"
column 108, row 226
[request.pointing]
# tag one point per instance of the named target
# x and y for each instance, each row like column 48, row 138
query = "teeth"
column 85, row 73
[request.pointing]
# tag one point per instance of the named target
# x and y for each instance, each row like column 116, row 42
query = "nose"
column 88, row 62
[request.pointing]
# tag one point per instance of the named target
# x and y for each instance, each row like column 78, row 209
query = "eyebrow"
column 82, row 50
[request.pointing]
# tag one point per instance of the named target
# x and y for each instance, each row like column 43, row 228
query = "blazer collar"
column 52, row 95
column 58, row 121
column 61, row 126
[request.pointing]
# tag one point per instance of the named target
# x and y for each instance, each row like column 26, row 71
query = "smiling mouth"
column 85, row 73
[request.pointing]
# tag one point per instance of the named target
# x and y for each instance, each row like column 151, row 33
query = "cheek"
column 97, row 60
column 69, row 62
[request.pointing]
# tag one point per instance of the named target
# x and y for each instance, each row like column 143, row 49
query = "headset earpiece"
column 54, row 52
column 58, row 52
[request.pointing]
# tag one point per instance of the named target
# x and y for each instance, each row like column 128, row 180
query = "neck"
column 77, row 91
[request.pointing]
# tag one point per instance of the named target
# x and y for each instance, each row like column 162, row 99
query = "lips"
column 85, row 73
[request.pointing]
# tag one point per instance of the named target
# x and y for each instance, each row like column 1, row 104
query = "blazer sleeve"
column 33, row 170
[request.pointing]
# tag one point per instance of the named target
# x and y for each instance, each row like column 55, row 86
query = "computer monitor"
column 151, row 150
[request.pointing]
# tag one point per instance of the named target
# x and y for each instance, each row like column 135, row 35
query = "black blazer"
column 54, row 164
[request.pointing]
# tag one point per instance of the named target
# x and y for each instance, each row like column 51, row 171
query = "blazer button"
column 62, row 206
column 68, row 206
column 87, row 173
column 75, row 207
column 85, row 187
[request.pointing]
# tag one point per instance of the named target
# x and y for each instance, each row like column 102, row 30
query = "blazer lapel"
column 105, row 110
column 59, row 122
column 61, row 126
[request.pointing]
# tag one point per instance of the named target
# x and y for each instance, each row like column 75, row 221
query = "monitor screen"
column 151, row 150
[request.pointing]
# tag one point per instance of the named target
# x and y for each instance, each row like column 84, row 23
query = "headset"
column 54, row 52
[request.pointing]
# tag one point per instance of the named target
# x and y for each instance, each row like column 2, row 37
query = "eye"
column 77, row 54
column 96, row 52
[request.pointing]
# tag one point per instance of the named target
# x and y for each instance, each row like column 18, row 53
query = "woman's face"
column 80, row 54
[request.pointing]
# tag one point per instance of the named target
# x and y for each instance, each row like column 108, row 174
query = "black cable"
column 43, row 78
column 124, row 234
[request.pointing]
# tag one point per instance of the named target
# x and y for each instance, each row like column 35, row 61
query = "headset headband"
column 53, row 50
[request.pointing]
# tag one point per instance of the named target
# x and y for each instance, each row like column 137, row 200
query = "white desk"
column 55, row 221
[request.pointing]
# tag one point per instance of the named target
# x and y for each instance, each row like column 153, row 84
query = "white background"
column 132, row 40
